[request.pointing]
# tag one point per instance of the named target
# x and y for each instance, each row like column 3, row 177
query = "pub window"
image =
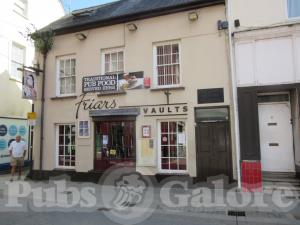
column 83, row 129
column 113, row 61
column 17, row 61
column 66, row 75
column 66, row 145
column 293, row 8
column 167, row 65
column 172, row 145
column 20, row 7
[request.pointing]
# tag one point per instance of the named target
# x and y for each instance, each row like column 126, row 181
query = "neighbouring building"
column 266, row 57
column 139, row 83
column 17, row 19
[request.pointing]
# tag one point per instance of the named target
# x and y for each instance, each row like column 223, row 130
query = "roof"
column 122, row 11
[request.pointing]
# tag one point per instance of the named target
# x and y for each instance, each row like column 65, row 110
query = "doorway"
column 114, row 144
column 276, row 133
column 213, row 143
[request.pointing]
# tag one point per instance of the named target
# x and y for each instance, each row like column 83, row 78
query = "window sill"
column 64, row 97
column 111, row 93
column 167, row 88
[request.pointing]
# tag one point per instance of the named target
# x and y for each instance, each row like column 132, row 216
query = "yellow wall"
column 204, row 64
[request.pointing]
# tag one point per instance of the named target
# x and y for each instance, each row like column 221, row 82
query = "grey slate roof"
column 122, row 11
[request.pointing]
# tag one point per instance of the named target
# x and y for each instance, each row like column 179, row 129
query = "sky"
column 71, row 5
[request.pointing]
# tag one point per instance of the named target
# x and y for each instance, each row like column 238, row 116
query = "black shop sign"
column 101, row 83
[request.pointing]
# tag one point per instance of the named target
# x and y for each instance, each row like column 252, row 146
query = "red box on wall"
column 251, row 176
column 147, row 82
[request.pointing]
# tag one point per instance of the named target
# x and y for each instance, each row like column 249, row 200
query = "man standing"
column 17, row 151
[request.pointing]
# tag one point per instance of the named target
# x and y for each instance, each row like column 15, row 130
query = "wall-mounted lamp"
column 193, row 16
column 131, row 27
column 80, row 36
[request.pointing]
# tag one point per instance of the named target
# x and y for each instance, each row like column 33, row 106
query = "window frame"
column 15, row 4
column 111, row 51
column 159, row 157
column 89, row 129
column 287, row 12
column 57, row 146
column 11, row 76
column 155, row 73
column 58, row 83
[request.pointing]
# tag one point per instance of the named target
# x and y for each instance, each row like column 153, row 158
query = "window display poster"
column 9, row 129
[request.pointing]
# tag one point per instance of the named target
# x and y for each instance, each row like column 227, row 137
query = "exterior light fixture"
column 193, row 16
column 80, row 36
column 131, row 27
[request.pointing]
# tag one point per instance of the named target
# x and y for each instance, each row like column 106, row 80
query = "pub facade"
column 139, row 83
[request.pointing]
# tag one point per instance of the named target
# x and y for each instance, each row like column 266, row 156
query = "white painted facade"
column 265, row 51
column 17, row 19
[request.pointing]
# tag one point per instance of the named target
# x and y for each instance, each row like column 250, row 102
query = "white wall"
column 14, row 29
column 268, row 57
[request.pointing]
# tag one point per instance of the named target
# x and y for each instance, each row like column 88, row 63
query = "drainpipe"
column 42, row 114
column 234, row 90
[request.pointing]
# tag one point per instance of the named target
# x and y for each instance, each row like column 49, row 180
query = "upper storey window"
column 293, row 8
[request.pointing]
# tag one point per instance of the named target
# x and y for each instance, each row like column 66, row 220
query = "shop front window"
column 66, row 145
column 173, row 146
column 115, row 144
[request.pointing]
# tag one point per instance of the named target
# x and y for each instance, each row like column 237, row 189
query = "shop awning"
column 115, row 112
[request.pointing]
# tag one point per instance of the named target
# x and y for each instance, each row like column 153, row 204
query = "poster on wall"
column 29, row 85
column 9, row 129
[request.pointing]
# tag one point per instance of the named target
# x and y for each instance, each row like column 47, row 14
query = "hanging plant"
column 43, row 41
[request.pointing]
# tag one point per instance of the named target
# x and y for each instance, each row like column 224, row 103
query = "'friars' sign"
column 93, row 104
column 100, row 83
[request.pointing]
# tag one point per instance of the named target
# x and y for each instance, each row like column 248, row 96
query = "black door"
column 213, row 149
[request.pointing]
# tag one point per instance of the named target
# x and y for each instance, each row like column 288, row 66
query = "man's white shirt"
column 18, row 148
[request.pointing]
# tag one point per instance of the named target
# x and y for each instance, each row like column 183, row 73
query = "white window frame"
column 16, row 4
column 11, row 60
column 155, row 73
column 164, row 171
column 287, row 12
column 89, row 129
column 110, row 51
column 58, row 58
column 57, row 146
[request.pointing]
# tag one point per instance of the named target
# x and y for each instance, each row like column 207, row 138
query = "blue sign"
column 22, row 130
column 13, row 130
column 3, row 130
column 3, row 144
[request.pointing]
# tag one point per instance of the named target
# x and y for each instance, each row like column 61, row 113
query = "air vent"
column 237, row 213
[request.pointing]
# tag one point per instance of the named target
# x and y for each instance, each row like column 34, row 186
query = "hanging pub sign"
column 113, row 82
column 29, row 85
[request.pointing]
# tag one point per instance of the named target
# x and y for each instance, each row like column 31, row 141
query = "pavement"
column 159, row 212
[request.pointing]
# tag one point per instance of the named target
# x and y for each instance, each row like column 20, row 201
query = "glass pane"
column 181, row 151
column 120, row 56
column 181, row 127
column 67, row 150
column 73, row 131
column 212, row 114
column 107, row 58
column 73, row 140
column 61, row 140
column 173, row 139
column 107, row 67
column 61, row 161
column 114, row 57
column 114, row 67
column 67, row 161
column 167, row 49
column 67, row 140
column 62, row 68
column 294, row 8
column 182, row 164
column 165, row 151
column 61, row 150
column 86, row 132
column 164, row 139
column 173, row 151
column 173, row 164
column 160, row 50
column 61, row 130
column 173, row 127
column 164, row 127
column 165, row 163
column 175, row 48
column 62, row 86
column 68, row 67
column 73, row 67
column 73, row 151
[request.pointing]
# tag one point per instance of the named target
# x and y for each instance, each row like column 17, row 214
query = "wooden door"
column 213, row 149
